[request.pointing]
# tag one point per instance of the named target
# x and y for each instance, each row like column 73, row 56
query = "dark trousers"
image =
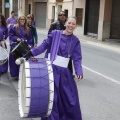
column 70, row 66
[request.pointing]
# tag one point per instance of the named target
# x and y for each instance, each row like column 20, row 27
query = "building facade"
column 96, row 18
column 6, row 6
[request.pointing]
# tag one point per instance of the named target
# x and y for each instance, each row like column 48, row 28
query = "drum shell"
column 20, row 49
column 39, row 92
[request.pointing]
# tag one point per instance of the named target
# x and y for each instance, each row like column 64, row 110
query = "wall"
column 79, row 4
column 104, row 19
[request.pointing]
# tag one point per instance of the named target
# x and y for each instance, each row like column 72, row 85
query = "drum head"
column 3, row 55
column 35, row 88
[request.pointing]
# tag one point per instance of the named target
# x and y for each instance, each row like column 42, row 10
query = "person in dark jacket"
column 60, row 25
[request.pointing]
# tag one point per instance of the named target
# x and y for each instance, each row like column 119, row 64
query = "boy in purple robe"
column 63, row 44
column 18, row 33
column 3, row 37
column 11, row 21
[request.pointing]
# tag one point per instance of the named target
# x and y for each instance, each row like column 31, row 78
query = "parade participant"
column 60, row 25
column 63, row 44
column 33, row 29
column 18, row 33
column 11, row 21
column 3, row 37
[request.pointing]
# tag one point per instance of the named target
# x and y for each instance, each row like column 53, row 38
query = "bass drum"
column 20, row 49
column 35, row 88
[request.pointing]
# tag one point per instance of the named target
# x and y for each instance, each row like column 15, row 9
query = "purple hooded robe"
column 14, row 69
column 66, row 101
column 11, row 20
column 3, row 36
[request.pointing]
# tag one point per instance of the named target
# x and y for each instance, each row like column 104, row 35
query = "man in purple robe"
column 11, row 21
column 66, row 101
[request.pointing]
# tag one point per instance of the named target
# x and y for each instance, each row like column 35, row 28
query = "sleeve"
column 12, row 34
column 35, row 35
column 77, row 59
column 46, row 44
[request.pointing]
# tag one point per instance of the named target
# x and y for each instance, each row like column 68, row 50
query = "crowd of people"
column 60, row 43
column 16, row 29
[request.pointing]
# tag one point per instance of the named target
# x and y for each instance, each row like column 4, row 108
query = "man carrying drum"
column 62, row 45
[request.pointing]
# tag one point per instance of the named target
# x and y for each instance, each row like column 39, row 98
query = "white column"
column 11, row 6
column 21, row 5
column 3, row 7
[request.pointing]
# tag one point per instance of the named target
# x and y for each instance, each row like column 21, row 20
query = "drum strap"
column 55, row 45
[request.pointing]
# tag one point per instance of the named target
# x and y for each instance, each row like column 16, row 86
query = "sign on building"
column 7, row 4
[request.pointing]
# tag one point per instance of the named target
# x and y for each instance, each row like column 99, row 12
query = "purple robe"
column 3, row 36
column 11, row 20
column 14, row 69
column 66, row 101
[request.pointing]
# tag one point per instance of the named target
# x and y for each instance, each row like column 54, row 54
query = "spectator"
column 60, row 23
column 33, row 29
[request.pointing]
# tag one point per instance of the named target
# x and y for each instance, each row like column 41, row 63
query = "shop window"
column 79, row 15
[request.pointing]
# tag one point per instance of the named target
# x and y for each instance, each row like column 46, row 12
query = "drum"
column 35, row 88
column 20, row 49
column 3, row 55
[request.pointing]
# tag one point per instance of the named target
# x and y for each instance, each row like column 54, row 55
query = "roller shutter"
column 41, row 14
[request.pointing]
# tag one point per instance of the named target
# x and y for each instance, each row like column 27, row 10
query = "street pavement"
column 9, row 87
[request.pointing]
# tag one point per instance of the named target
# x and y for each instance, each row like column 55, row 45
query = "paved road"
column 98, row 91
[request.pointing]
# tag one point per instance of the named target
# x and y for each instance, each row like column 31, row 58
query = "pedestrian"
column 3, row 37
column 60, row 25
column 63, row 44
column 18, row 33
column 11, row 21
column 33, row 29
